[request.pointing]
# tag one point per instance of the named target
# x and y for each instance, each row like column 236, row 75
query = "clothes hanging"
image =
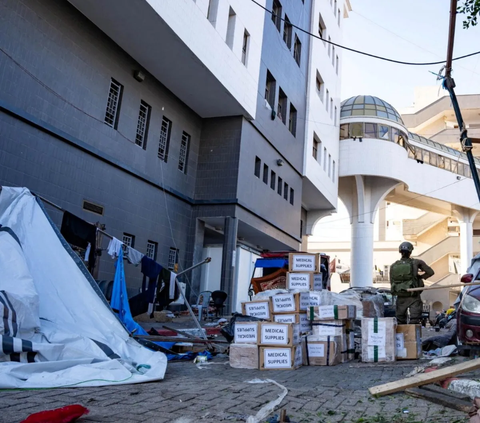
column 80, row 233
column 173, row 284
column 114, row 247
column 119, row 301
column 165, row 282
column 150, row 269
column 134, row 256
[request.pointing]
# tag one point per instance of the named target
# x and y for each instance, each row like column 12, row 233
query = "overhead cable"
column 374, row 56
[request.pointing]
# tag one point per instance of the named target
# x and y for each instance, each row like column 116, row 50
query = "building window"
column 232, row 17
column 336, row 65
column 315, row 149
column 212, row 11
column 273, row 179
column 287, row 32
column 324, row 159
column 301, row 228
column 321, row 28
column 258, row 164
column 277, row 14
column 285, row 191
column 270, row 88
column 282, row 106
column 333, row 55
column 297, row 50
column 333, row 171
column 279, row 186
column 292, row 199
column 329, row 45
column 142, row 125
column 326, row 103
column 331, row 108
column 292, row 120
column 164, row 140
column 128, row 240
column 265, row 173
column 338, row 17
column 152, row 248
column 335, row 8
column 335, row 116
column 172, row 258
column 113, row 103
column 329, row 165
column 319, row 152
column 183, row 156
column 246, row 42
column 320, row 86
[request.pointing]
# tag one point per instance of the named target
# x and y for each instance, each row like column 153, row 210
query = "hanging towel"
column 87, row 252
column 171, row 291
column 119, row 301
column 79, row 233
column 150, row 270
column 134, row 256
column 114, row 247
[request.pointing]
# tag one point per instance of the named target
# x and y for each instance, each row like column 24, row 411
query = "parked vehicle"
column 468, row 309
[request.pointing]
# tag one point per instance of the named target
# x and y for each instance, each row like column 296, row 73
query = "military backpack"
column 402, row 276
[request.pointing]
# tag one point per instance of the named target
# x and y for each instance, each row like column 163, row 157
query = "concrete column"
column 382, row 221
column 362, row 196
column 227, row 281
column 465, row 218
column 197, row 256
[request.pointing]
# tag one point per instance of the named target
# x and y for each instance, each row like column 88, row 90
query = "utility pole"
column 449, row 85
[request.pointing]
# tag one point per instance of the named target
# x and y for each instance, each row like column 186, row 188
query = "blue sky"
column 408, row 30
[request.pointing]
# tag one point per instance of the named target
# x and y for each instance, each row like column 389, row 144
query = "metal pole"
column 207, row 260
column 455, row 285
column 451, row 37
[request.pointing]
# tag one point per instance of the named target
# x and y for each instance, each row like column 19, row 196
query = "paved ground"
column 219, row 393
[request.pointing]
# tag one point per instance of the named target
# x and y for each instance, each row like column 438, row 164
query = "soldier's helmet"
column 405, row 246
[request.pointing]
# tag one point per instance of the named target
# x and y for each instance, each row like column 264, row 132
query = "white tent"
column 56, row 330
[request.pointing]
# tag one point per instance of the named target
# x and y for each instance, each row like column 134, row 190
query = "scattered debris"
column 442, row 396
column 269, row 407
column 67, row 414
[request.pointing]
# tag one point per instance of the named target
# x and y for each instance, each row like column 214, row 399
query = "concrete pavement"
column 219, row 393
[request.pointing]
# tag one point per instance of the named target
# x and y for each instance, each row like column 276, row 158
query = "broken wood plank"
column 440, row 390
column 425, row 378
column 441, row 398
column 161, row 338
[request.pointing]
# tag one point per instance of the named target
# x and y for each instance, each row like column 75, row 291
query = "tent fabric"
column 57, row 328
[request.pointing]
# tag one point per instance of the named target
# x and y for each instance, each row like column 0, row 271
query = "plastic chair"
column 218, row 299
column 203, row 302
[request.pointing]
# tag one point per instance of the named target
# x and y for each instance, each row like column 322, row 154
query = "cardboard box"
column 321, row 350
column 279, row 334
column 286, row 303
column 379, row 339
column 305, row 324
column 409, row 342
column 275, row 358
column 261, row 309
column 303, row 262
column 329, row 327
column 332, row 312
column 293, row 318
column 373, row 308
column 246, row 333
column 243, row 356
column 317, row 281
column 300, row 281
column 309, row 299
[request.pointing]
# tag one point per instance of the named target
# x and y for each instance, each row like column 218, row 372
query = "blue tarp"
column 273, row 262
column 119, row 299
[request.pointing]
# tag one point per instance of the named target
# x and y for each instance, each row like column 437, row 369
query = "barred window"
column 151, row 252
column 164, row 140
column 184, row 145
column 128, row 240
column 172, row 258
column 113, row 103
column 142, row 125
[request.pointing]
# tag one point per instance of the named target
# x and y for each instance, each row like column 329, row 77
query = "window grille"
column 113, row 103
column 164, row 140
column 142, row 125
column 182, row 160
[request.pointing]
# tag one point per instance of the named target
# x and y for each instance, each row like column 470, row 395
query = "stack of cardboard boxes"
column 298, row 329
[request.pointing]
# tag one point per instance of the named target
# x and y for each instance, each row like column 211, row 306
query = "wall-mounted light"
column 459, row 178
column 139, row 75
column 280, row 162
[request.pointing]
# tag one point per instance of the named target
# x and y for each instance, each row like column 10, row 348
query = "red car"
column 468, row 309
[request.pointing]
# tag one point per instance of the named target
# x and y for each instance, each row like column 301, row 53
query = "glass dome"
column 367, row 105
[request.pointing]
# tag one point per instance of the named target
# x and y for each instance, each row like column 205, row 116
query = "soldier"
column 404, row 274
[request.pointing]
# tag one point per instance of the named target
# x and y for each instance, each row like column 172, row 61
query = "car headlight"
column 471, row 304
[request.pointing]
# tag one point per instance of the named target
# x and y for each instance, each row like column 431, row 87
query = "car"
column 468, row 309
column 389, row 302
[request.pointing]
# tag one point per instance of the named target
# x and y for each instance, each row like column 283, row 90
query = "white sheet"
column 42, row 275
